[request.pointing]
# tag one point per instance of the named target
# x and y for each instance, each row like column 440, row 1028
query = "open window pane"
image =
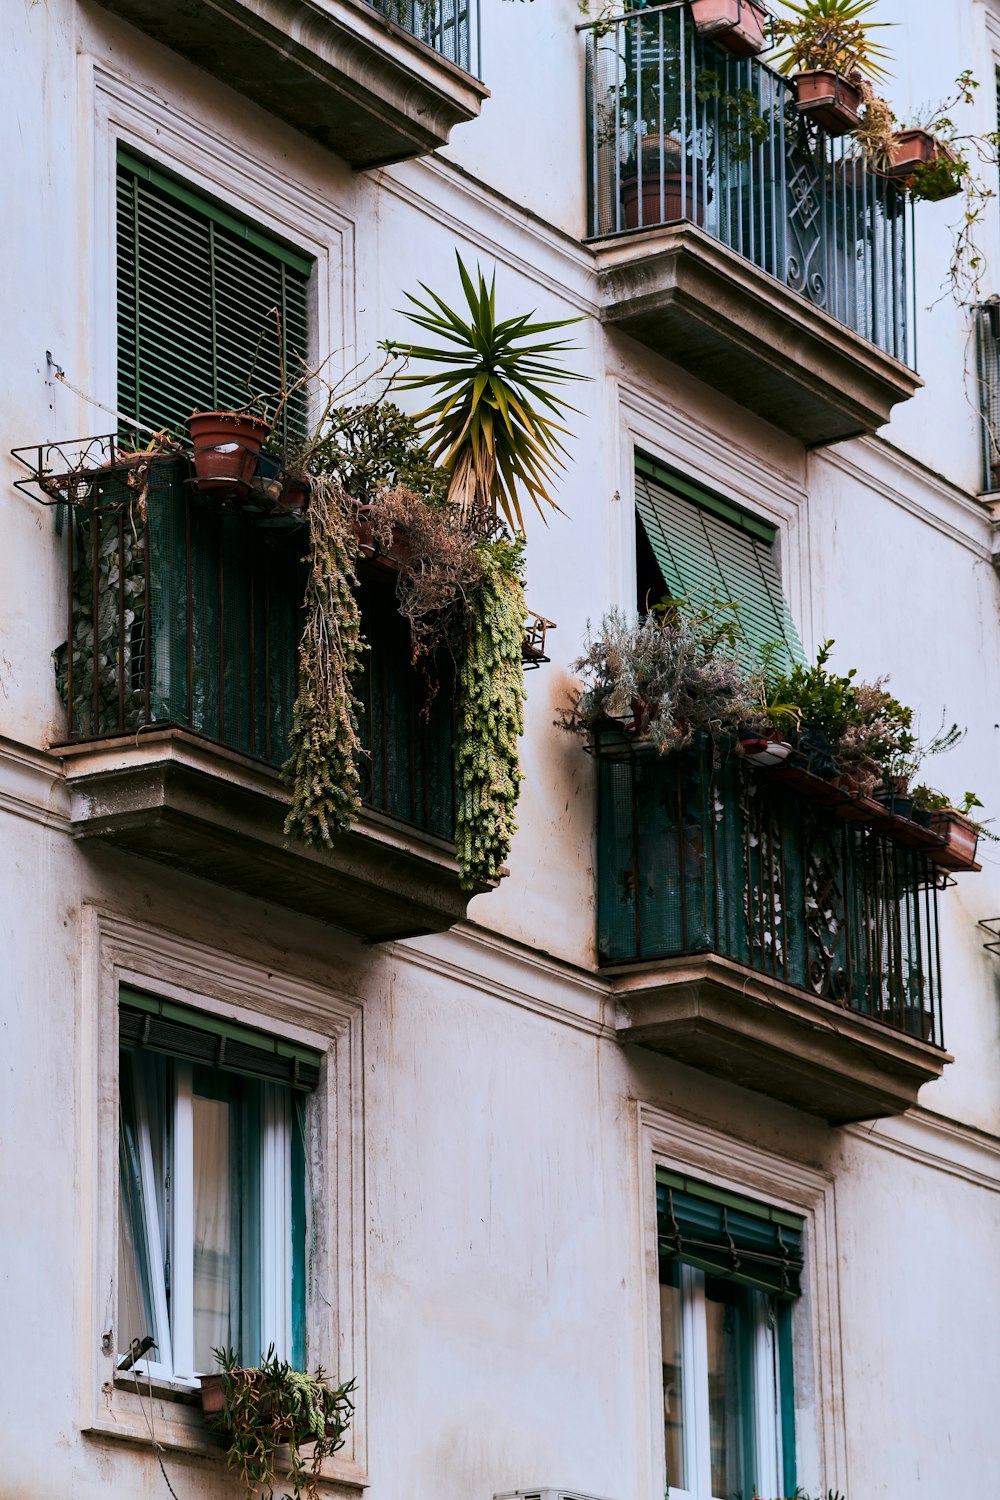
column 213, row 1212
column 216, row 1269
column 671, row 1326
column 728, row 1395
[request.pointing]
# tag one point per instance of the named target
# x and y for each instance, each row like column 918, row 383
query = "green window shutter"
column 200, row 294
column 712, row 553
column 162, row 1026
column 729, row 1235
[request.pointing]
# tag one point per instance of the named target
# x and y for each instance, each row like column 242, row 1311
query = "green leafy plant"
column 826, row 702
column 665, row 676
column 741, row 122
column 271, row 1405
column 373, row 446
column 834, row 34
column 322, row 768
column 490, row 716
column 493, row 424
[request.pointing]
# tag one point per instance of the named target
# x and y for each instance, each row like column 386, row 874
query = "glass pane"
column 728, row 1331
column 213, row 1230
column 673, row 1373
column 135, row 1316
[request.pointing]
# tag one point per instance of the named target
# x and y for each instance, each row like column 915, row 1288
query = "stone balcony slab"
column 199, row 807
column 337, row 70
column 764, row 1035
column 691, row 299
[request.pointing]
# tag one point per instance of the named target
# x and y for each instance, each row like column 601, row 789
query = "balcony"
column 376, row 83
column 770, row 930
column 184, row 618
column 738, row 239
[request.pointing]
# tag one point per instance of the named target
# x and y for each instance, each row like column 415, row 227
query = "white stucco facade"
column 487, row 1146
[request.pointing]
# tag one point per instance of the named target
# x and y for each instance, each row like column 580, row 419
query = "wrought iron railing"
column 451, row 27
column 697, row 853
column 185, row 611
column 679, row 129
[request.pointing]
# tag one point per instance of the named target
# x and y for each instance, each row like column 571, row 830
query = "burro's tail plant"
column 490, row 715
column 495, row 423
column 323, row 766
column 271, row 1406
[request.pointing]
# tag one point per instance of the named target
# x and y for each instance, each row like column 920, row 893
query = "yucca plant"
column 834, row 34
column 495, row 423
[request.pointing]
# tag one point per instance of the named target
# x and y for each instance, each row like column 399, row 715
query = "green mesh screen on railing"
column 186, row 611
column 697, row 853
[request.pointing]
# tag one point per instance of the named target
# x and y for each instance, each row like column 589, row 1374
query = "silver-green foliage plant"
column 269, row 1406
column 490, row 716
column 323, row 766
column 665, row 676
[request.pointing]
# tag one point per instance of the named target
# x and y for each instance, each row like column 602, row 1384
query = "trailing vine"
column 323, row 766
column 272, row 1405
column 490, row 715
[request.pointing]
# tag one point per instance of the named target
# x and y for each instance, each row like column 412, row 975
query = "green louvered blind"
column 200, row 295
column 162, row 1026
column 710, row 552
column 729, row 1235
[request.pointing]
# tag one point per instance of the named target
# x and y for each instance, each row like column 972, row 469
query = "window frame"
column 765, row 1398
column 684, row 1145
column 119, row 953
column 274, row 1165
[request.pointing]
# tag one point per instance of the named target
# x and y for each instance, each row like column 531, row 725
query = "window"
column 202, row 295
column 694, row 545
column 213, row 1208
column 730, row 1270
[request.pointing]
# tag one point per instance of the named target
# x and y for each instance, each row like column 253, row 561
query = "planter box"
column 961, row 837
column 913, row 149
column 830, row 99
column 736, row 25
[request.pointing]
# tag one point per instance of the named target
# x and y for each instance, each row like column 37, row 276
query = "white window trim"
column 206, row 154
column 718, row 464
column 685, row 1145
column 118, row 952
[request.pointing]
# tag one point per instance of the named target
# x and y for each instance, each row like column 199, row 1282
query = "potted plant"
column 659, row 680
column 830, row 53
column 270, row 1406
column 663, row 167
column 955, row 825
column 226, row 446
column 735, row 25
column 826, row 708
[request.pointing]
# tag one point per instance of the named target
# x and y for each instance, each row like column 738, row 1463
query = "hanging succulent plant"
column 490, row 716
column 323, row 766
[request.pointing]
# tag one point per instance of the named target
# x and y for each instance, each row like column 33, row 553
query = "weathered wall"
column 505, row 1270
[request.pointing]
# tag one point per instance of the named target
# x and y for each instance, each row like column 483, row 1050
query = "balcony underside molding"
column 767, row 1036
column 338, row 70
column 703, row 306
column 211, row 812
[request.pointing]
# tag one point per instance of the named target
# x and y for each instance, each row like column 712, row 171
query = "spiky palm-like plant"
column 833, row 34
column 495, row 423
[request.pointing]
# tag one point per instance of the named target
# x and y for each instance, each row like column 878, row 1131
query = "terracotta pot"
column 912, row 149
column 294, row 493
column 959, row 832
column 736, row 25
column 212, row 1396
column 681, row 198
column 829, row 98
column 226, row 449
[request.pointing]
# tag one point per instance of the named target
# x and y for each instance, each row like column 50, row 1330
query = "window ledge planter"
column 829, row 98
column 735, row 25
column 961, row 837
